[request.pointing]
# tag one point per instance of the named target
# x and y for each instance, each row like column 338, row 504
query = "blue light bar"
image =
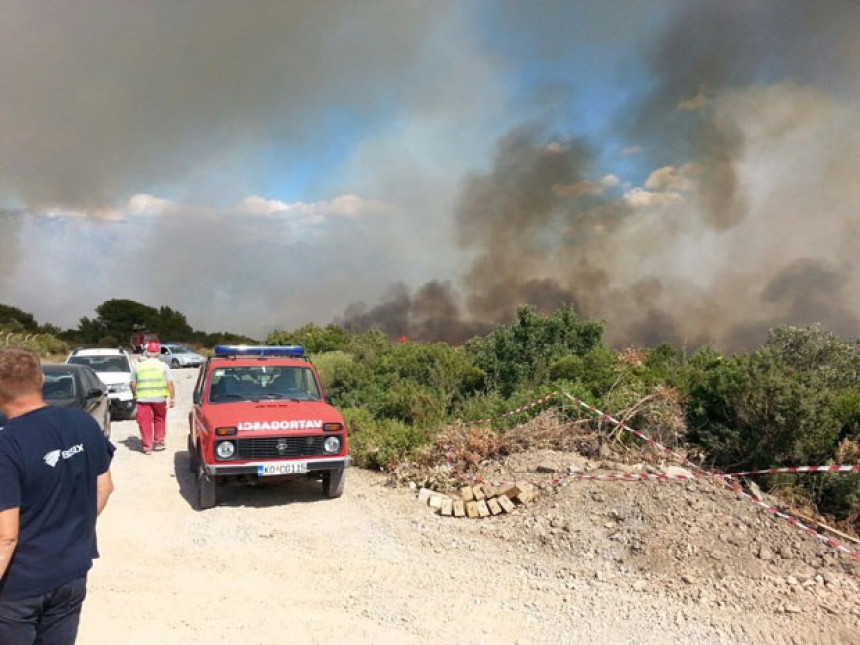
column 293, row 351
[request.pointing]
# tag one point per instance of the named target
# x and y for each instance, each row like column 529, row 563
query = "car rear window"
column 102, row 363
column 58, row 387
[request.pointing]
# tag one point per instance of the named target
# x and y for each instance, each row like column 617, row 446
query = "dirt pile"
column 693, row 541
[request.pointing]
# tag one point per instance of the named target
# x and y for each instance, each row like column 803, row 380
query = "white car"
column 114, row 368
column 177, row 355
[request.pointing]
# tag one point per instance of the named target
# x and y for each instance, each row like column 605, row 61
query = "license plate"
column 292, row 468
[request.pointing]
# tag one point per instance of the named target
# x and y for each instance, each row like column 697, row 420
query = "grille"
column 279, row 447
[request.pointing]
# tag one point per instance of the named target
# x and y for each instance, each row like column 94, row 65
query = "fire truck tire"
column 332, row 483
column 207, row 489
column 193, row 457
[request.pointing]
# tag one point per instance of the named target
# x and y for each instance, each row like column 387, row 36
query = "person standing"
column 54, row 482
column 153, row 387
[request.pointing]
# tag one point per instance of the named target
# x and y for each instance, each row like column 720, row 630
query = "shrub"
column 330, row 365
column 523, row 353
column 463, row 448
column 313, row 338
column 381, row 444
column 753, row 411
column 480, row 406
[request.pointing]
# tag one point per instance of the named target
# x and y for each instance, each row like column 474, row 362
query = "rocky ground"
column 692, row 541
column 591, row 561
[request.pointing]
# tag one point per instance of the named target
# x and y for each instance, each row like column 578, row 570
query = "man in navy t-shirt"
column 54, row 481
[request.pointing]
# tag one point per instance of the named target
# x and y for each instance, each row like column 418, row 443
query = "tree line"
column 793, row 401
column 114, row 323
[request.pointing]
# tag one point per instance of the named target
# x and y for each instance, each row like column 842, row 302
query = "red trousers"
column 152, row 420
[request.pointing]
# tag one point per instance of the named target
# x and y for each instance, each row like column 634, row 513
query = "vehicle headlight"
column 225, row 449
column 122, row 387
column 331, row 445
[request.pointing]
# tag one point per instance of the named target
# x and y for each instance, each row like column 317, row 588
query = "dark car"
column 77, row 386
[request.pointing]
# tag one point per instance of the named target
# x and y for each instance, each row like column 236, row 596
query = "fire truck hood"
column 273, row 415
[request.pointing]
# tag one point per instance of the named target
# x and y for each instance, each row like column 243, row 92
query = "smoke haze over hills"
column 685, row 171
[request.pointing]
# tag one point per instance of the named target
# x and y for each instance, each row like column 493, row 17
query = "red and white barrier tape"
column 561, row 480
column 624, row 426
column 795, row 469
column 523, row 408
column 797, row 523
column 632, row 476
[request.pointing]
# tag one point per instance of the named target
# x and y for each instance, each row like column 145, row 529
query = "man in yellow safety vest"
column 152, row 384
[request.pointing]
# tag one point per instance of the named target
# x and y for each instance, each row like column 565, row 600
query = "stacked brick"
column 480, row 500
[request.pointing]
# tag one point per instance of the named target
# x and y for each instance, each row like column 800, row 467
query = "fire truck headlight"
column 332, row 445
column 225, row 450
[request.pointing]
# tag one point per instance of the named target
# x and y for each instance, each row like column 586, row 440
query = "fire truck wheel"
column 332, row 482
column 207, row 489
column 193, row 457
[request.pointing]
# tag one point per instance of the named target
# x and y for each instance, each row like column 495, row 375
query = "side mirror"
column 94, row 393
column 196, row 398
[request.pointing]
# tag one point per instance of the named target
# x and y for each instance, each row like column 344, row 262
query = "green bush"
column 847, row 410
column 330, row 365
column 13, row 319
column 481, row 406
column 839, row 495
column 523, row 353
column 753, row 411
column 812, row 350
column 313, row 338
column 381, row 444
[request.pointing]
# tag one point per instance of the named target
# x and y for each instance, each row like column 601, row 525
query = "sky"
column 684, row 170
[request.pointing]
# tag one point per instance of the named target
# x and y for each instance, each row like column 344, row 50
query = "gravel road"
column 283, row 564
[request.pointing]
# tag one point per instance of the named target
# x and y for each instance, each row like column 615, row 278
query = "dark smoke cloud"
column 138, row 130
column 748, row 222
column 748, row 128
column 103, row 97
column 504, row 217
column 809, row 291
column 714, row 46
column 431, row 313
column 511, row 216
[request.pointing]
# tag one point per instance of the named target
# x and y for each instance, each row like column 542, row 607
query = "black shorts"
column 49, row 619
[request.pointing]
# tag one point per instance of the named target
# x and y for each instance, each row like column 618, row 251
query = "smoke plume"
column 257, row 165
column 101, row 96
column 746, row 220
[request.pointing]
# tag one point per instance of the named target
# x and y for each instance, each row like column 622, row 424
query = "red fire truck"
column 139, row 341
column 259, row 413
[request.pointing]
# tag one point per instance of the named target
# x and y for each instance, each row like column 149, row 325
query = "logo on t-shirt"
column 53, row 457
